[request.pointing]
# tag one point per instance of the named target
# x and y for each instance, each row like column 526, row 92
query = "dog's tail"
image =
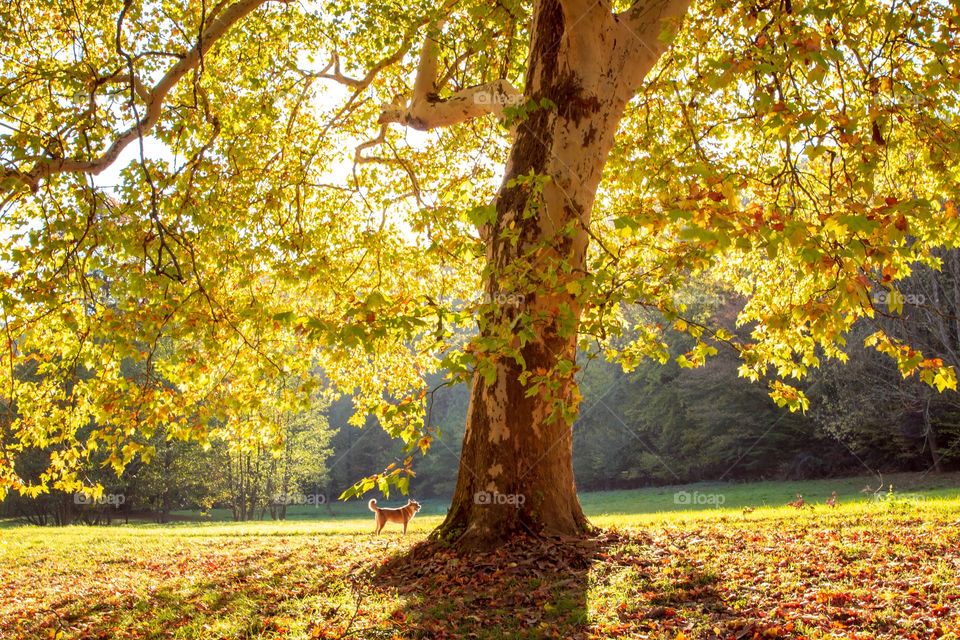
column 372, row 504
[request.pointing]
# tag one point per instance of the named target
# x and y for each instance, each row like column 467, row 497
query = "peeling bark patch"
column 495, row 470
column 497, row 409
column 545, row 44
column 416, row 123
column 531, row 150
column 590, row 136
column 498, row 432
column 572, row 100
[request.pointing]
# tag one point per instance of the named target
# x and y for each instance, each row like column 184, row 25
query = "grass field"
column 873, row 567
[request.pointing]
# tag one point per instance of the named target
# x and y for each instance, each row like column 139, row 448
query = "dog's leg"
column 405, row 521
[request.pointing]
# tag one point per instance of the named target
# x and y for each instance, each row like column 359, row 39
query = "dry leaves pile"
column 883, row 575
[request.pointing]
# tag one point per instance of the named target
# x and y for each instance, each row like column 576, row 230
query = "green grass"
column 644, row 506
column 869, row 568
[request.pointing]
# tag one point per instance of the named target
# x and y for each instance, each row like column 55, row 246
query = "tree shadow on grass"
column 611, row 585
column 531, row 588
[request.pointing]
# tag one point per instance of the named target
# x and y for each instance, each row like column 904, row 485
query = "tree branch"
column 154, row 104
column 577, row 11
column 647, row 19
column 426, row 110
column 357, row 83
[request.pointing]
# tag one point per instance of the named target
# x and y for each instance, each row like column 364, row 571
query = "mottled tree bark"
column 516, row 472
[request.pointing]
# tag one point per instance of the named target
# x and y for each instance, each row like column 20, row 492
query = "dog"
column 402, row 514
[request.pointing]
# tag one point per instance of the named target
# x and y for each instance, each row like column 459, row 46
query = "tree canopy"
column 279, row 221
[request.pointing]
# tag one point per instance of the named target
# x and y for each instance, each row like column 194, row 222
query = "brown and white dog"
column 402, row 514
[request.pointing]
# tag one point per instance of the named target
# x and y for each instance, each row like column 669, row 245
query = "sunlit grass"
column 635, row 507
column 675, row 568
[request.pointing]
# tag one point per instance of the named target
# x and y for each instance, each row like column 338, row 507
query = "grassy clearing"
column 607, row 508
column 866, row 569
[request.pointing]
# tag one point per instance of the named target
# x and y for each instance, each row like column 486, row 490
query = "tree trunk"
column 930, row 432
column 166, row 503
column 516, row 472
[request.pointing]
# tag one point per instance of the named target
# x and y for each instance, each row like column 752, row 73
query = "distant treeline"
column 666, row 425
column 252, row 481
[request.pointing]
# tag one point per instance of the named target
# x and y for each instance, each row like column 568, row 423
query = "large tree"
column 583, row 157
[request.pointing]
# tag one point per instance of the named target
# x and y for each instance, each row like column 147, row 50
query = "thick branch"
column 154, row 104
column 647, row 19
column 583, row 15
column 574, row 10
column 426, row 110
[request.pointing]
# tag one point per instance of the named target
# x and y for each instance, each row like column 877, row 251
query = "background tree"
column 875, row 410
column 267, row 476
column 301, row 469
column 177, row 477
